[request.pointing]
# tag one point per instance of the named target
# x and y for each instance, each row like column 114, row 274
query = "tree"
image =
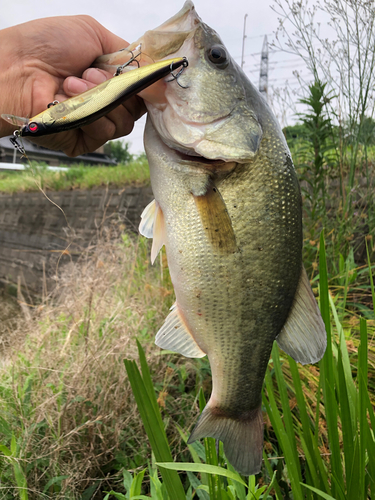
column 119, row 151
column 344, row 60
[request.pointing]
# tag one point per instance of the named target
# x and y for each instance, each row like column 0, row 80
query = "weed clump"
column 68, row 418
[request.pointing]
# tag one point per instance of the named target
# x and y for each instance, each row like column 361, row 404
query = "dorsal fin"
column 303, row 336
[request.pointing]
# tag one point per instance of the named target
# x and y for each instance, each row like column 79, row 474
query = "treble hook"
column 133, row 58
column 16, row 144
column 53, row 103
column 175, row 77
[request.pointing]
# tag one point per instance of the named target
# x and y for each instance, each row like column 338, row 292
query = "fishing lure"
column 94, row 103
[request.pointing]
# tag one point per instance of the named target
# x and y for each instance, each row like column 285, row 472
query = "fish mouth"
column 195, row 160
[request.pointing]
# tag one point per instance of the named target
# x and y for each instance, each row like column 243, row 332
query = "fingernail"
column 76, row 86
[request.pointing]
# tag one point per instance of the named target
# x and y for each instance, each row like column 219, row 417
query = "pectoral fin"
column 152, row 226
column 175, row 336
column 303, row 336
column 146, row 227
column 215, row 220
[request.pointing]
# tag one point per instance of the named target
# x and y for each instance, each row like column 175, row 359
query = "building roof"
column 39, row 153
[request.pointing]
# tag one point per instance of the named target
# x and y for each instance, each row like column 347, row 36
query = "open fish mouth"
column 216, row 166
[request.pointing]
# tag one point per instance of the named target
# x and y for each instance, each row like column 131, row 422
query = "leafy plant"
column 342, row 400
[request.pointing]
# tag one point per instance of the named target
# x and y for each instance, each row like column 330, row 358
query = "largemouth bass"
column 228, row 210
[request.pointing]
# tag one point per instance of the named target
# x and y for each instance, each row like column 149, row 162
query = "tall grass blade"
column 350, row 386
column 314, row 460
column 276, row 486
column 348, row 433
column 327, row 373
column 371, row 278
column 151, row 418
column 214, row 482
column 320, row 493
column 287, row 414
column 364, row 429
column 207, row 468
column 294, row 471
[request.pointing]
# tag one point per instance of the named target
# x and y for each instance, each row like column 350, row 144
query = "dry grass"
column 63, row 388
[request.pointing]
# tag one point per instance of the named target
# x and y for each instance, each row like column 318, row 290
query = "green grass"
column 344, row 402
column 76, row 177
column 70, row 426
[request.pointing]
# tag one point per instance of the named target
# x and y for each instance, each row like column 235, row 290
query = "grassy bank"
column 69, row 425
column 76, row 177
column 65, row 401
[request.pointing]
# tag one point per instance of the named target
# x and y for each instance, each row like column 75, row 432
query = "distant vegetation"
column 119, row 151
column 76, row 177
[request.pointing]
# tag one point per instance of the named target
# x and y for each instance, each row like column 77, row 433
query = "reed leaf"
column 205, row 468
column 327, row 373
column 144, row 394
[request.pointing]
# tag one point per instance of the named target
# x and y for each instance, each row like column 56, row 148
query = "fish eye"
column 218, row 55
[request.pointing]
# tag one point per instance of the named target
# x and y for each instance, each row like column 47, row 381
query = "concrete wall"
column 34, row 231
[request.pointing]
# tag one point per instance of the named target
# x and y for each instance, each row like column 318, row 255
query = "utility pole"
column 263, row 77
column 243, row 41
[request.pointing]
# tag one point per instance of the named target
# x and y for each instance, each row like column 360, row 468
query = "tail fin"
column 242, row 438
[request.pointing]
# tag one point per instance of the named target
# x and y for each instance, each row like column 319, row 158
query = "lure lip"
column 37, row 126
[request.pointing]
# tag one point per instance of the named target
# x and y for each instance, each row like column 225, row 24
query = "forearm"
column 13, row 78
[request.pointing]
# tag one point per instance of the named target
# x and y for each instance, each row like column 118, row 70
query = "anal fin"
column 175, row 336
column 303, row 336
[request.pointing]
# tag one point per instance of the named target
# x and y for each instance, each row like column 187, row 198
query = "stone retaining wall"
column 34, row 231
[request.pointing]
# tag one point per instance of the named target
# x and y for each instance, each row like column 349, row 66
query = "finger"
column 96, row 75
column 91, row 78
column 73, row 86
column 117, row 123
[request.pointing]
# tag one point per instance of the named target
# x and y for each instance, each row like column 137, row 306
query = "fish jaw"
column 156, row 44
column 207, row 113
column 215, row 128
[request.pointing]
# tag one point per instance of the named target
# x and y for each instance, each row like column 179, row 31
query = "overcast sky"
column 131, row 18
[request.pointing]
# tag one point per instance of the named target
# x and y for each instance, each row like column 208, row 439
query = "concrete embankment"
column 38, row 230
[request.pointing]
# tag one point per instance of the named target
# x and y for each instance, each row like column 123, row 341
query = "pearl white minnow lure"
column 94, row 103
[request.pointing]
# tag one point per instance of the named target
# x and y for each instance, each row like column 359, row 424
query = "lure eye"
column 33, row 127
column 218, row 55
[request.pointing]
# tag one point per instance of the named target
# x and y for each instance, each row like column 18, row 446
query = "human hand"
column 36, row 67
